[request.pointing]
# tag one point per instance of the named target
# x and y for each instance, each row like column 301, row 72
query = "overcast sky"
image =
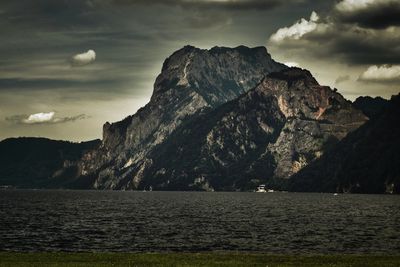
column 66, row 67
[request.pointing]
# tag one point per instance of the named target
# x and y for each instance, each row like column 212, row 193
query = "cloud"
column 292, row 64
column 39, row 118
column 369, row 13
column 341, row 79
column 84, row 58
column 43, row 118
column 297, row 30
column 212, row 4
column 384, row 73
column 331, row 38
column 198, row 19
column 357, row 5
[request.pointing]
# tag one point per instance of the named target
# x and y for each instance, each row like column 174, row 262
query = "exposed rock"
column 365, row 161
column 267, row 134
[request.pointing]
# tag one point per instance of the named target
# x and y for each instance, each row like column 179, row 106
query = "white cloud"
column 314, row 16
column 43, row 118
column 359, row 5
column 297, row 30
column 292, row 64
column 39, row 118
column 381, row 73
column 84, row 58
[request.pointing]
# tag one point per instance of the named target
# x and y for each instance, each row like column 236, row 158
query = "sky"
column 67, row 67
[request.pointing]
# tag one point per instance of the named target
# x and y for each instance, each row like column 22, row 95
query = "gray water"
column 194, row 221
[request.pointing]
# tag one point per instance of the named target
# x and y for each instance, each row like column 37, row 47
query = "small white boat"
column 261, row 189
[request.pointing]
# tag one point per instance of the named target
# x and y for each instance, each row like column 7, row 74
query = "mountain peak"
column 294, row 74
column 223, row 49
column 218, row 74
column 240, row 49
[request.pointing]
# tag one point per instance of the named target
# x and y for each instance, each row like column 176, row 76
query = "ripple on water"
column 193, row 221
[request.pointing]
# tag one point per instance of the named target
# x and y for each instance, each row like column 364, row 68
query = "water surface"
column 43, row 220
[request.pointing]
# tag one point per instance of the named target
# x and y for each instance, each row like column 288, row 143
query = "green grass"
column 191, row 259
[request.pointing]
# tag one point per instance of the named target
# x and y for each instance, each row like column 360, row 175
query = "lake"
column 66, row 220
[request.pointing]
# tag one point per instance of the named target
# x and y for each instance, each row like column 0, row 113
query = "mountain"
column 221, row 119
column 264, row 136
column 218, row 119
column 192, row 80
column 31, row 162
column 365, row 161
column 370, row 106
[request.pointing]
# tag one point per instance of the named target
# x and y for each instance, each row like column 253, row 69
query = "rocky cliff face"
column 265, row 136
column 192, row 81
column 365, row 161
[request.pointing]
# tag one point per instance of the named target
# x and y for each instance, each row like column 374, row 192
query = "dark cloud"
column 209, row 4
column 356, row 45
column 331, row 38
column 376, row 15
column 43, row 118
column 206, row 19
column 77, row 15
column 48, row 14
column 341, row 79
column 54, row 84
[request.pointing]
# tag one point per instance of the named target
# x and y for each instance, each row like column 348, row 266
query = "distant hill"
column 366, row 161
column 370, row 106
column 31, row 162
